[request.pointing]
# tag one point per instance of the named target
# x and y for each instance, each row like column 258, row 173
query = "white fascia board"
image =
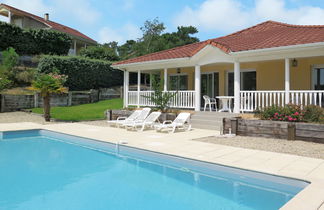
column 171, row 63
column 292, row 51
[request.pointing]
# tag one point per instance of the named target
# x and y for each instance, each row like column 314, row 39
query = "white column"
column 197, row 88
column 165, row 79
column 75, row 47
column 9, row 17
column 151, row 80
column 287, row 80
column 138, row 87
column 126, row 73
column 237, row 87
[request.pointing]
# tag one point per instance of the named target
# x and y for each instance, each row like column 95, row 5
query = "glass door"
column 209, row 85
column 318, row 79
column 248, row 81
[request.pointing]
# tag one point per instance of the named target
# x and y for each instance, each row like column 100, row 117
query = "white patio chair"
column 179, row 122
column 141, row 117
column 209, row 101
column 121, row 120
column 148, row 122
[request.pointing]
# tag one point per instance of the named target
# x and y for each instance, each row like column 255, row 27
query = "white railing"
column 182, row 99
column 257, row 100
column 307, row 97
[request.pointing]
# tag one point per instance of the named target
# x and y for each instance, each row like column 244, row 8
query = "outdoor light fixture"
column 294, row 63
column 178, row 70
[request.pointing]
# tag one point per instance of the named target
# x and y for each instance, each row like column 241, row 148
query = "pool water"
column 41, row 169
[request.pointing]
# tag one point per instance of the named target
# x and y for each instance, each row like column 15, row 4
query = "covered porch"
column 254, row 84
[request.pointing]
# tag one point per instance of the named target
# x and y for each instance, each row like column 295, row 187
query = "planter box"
column 274, row 129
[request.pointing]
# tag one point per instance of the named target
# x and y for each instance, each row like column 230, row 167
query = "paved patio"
column 181, row 144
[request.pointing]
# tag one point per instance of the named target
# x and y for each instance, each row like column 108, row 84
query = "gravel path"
column 303, row 148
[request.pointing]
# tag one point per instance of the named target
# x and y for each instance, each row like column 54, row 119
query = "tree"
column 160, row 98
column 154, row 40
column 46, row 85
column 101, row 52
column 9, row 61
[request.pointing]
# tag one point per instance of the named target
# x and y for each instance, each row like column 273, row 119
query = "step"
column 207, row 127
column 206, row 122
column 208, row 118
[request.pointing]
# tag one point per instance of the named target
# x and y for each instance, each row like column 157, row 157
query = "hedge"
column 33, row 41
column 83, row 73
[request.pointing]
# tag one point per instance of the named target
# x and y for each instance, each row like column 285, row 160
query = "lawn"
column 93, row 111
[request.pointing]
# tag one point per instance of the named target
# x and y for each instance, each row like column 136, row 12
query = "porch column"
column 9, row 16
column 151, row 80
column 165, row 79
column 75, row 47
column 197, row 87
column 126, row 84
column 237, row 87
column 138, row 87
column 287, row 80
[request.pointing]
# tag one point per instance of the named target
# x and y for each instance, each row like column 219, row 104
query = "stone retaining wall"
column 9, row 103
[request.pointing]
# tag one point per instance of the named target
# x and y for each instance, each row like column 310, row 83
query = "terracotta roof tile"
column 53, row 25
column 268, row 34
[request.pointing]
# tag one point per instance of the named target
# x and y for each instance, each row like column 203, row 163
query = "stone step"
column 207, row 127
column 206, row 122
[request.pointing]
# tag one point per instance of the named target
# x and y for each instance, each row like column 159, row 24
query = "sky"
column 120, row 20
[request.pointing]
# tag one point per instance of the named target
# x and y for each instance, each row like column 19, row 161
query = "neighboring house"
column 269, row 63
column 26, row 20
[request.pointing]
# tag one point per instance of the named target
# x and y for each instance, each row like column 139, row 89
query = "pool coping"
column 180, row 144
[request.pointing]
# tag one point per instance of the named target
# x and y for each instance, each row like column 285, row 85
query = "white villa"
column 269, row 63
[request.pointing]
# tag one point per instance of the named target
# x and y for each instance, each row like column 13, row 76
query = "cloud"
column 128, row 4
column 121, row 35
column 230, row 15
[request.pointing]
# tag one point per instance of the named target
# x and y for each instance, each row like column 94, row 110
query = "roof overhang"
column 211, row 54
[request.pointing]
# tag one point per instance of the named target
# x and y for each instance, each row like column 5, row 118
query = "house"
column 271, row 63
column 26, row 20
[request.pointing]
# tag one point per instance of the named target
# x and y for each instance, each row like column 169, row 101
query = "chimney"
column 46, row 16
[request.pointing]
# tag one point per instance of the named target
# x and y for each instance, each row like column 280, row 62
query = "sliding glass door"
column 209, row 85
column 248, row 81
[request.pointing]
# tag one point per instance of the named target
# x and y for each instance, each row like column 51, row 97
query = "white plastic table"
column 226, row 102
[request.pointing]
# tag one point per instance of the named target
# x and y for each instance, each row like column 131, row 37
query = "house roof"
column 268, row 34
column 49, row 23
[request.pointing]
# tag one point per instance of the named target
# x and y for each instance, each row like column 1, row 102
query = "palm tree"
column 46, row 85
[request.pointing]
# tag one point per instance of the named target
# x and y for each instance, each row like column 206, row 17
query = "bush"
column 313, row 113
column 99, row 52
column 83, row 73
column 33, row 41
column 293, row 113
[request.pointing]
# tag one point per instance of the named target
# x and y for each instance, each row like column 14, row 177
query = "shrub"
column 293, row 113
column 290, row 112
column 313, row 113
column 33, row 41
column 83, row 73
column 99, row 52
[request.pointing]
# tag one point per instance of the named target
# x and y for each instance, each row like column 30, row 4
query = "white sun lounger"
column 141, row 117
column 178, row 123
column 148, row 122
column 121, row 120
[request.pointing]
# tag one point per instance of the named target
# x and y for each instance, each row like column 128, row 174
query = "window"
column 178, row 82
column 248, row 81
column 318, row 79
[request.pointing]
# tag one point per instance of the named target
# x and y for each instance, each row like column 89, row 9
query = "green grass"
column 93, row 111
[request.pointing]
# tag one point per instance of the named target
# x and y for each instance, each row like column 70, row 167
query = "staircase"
column 210, row 120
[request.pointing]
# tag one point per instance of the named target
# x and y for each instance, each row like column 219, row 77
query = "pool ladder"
column 118, row 143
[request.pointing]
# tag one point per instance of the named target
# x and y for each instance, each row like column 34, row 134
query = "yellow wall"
column 270, row 74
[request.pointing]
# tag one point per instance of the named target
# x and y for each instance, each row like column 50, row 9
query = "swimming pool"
column 47, row 170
